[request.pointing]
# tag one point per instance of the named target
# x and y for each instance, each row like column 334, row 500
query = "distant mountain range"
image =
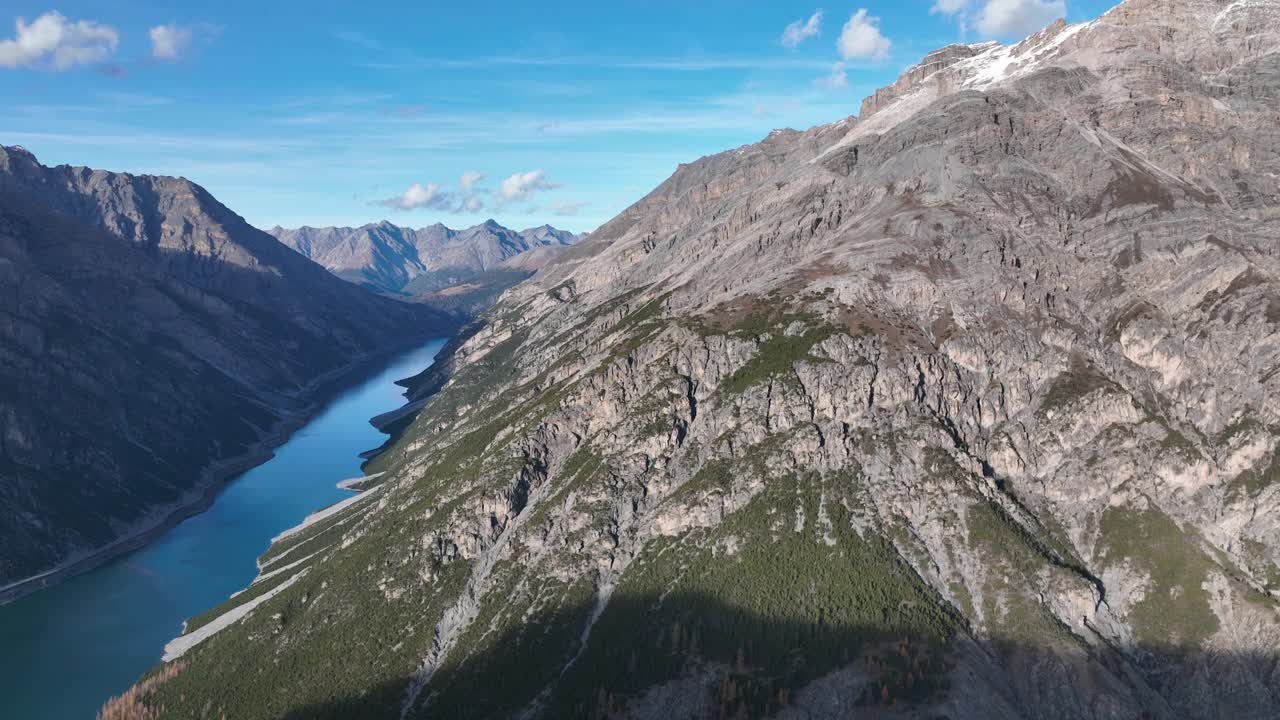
column 433, row 263
column 151, row 340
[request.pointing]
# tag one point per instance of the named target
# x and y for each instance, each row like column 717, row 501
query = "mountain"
column 394, row 259
column 959, row 408
column 151, row 343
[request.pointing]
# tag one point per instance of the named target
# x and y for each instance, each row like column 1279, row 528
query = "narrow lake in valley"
column 65, row 650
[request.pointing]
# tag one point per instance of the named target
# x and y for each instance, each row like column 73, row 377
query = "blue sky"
column 322, row 113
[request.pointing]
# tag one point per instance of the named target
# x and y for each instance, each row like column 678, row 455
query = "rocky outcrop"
column 957, row 409
column 933, row 63
column 152, row 342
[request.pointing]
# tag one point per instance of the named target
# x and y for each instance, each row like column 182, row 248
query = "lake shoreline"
column 215, row 477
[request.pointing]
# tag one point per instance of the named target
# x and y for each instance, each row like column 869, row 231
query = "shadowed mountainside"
column 153, row 343
column 693, row 655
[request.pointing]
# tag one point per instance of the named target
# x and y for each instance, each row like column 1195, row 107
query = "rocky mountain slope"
column 960, row 408
column 150, row 342
column 394, row 259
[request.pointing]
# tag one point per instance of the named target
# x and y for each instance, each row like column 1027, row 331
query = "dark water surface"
column 65, row 650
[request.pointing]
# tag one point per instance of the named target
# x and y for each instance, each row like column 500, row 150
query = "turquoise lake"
column 65, row 650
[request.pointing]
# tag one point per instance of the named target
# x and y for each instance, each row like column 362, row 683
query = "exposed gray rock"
column 959, row 408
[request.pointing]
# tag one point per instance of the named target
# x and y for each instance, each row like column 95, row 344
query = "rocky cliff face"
column 394, row 259
column 149, row 334
column 960, row 408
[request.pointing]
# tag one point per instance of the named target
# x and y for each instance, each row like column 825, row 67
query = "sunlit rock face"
column 959, row 408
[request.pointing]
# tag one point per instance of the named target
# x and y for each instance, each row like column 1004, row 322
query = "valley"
column 154, row 344
column 957, row 407
column 106, row 626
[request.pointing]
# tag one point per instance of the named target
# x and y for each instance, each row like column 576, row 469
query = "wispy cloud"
column 336, row 98
column 522, row 186
column 322, row 117
column 837, row 80
column 169, row 42
column 801, row 30
column 469, row 197
column 469, row 179
column 108, row 103
column 449, row 129
column 957, row 10
column 608, row 63
column 132, row 100
column 567, row 209
column 52, row 41
column 357, row 38
column 719, row 64
column 419, row 196
column 948, row 7
column 143, row 138
column 360, row 122
column 1018, row 17
column 552, row 89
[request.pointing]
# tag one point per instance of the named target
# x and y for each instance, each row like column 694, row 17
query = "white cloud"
column 522, row 186
column 469, row 179
column 861, row 38
column 418, row 196
column 948, row 7
column 566, row 209
column 801, row 30
column 469, row 197
column 53, row 41
column 169, row 42
column 838, row 79
column 470, row 200
column 1019, row 17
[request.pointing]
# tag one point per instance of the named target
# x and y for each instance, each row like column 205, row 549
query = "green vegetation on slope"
column 1078, row 381
column 323, row 648
column 773, row 602
column 1249, row 483
column 1174, row 610
column 1018, row 565
column 776, row 352
column 513, row 649
column 1268, row 571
